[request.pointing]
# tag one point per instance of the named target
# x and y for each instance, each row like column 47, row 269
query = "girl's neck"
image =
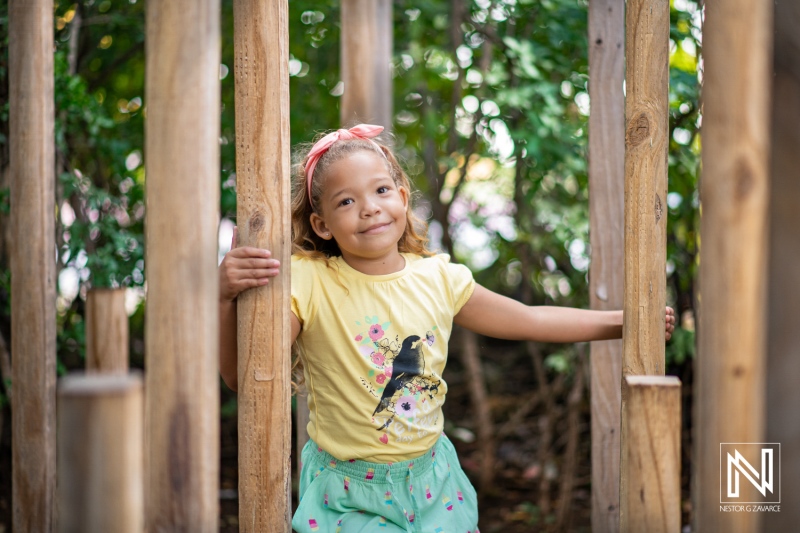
column 376, row 266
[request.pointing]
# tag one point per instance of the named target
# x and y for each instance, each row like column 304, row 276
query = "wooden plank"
column 646, row 142
column 106, row 332
column 33, row 269
column 181, row 325
column 100, row 458
column 729, row 384
column 261, row 66
column 606, row 234
column 783, row 344
column 653, row 418
column 366, row 54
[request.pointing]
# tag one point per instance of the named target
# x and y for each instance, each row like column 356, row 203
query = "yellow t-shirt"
column 374, row 348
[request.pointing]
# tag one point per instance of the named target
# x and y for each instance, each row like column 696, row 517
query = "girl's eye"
column 382, row 190
column 346, row 201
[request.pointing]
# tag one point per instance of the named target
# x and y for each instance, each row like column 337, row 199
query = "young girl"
column 372, row 312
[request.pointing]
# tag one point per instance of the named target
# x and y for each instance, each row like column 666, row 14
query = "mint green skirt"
column 429, row 494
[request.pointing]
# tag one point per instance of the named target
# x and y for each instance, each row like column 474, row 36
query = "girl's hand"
column 244, row 268
column 669, row 322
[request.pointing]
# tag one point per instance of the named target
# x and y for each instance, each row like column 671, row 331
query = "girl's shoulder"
column 436, row 261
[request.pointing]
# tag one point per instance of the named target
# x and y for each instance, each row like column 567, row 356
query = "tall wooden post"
column 366, row 54
column 182, row 162
column 783, row 345
column 100, row 458
column 33, row 269
column 607, row 219
column 106, row 332
column 646, row 142
column 261, row 65
column 729, row 385
column 653, row 419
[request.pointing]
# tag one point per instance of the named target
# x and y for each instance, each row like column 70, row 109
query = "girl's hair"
column 307, row 243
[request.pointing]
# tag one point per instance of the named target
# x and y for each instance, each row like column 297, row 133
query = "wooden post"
column 33, row 268
column 106, row 332
column 783, row 345
column 729, row 385
column 366, row 54
column 646, row 142
column 607, row 219
column 653, row 418
column 261, row 60
column 182, row 328
column 100, row 458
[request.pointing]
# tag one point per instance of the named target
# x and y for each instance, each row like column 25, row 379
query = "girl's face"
column 362, row 208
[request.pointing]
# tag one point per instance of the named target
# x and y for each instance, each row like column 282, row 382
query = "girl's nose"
column 371, row 207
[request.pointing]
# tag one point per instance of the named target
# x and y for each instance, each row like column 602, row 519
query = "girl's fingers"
column 250, row 264
column 260, row 273
column 249, row 252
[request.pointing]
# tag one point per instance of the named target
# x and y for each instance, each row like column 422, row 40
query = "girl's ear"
column 404, row 195
column 320, row 227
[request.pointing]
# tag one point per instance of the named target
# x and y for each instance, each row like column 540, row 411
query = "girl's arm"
column 241, row 269
column 493, row 315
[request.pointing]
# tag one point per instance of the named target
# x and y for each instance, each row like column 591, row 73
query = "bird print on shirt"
column 401, row 374
column 408, row 364
column 408, row 368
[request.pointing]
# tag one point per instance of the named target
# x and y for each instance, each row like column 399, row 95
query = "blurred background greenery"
column 491, row 112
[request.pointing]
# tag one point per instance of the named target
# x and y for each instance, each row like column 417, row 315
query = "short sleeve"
column 303, row 280
column 461, row 283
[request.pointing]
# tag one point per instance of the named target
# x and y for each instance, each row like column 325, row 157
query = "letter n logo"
column 749, row 473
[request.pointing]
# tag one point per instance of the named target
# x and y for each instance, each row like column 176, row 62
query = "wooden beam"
column 607, row 219
column 33, row 268
column 100, row 458
column 646, row 142
column 783, row 345
column 366, row 54
column 106, row 332
column 729, row 384
column 653, row 418
column 261, row 66
column 181, row 326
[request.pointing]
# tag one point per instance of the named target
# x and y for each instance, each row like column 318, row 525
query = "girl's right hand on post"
column 244, row 268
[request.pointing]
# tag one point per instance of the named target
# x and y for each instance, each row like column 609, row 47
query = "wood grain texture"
column 106, row 332
column 261, row 66
column 100, row 457
column 33, row 268
column 783, row 344
column 729, row 383
column 646, row 142
column 654, row 455
column 366, row 54
column 181, row 324
column 607, row 219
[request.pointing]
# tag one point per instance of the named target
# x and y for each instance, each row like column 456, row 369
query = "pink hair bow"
column 362, row 131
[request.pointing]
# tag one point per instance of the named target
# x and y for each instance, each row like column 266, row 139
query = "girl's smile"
column 364, row 210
